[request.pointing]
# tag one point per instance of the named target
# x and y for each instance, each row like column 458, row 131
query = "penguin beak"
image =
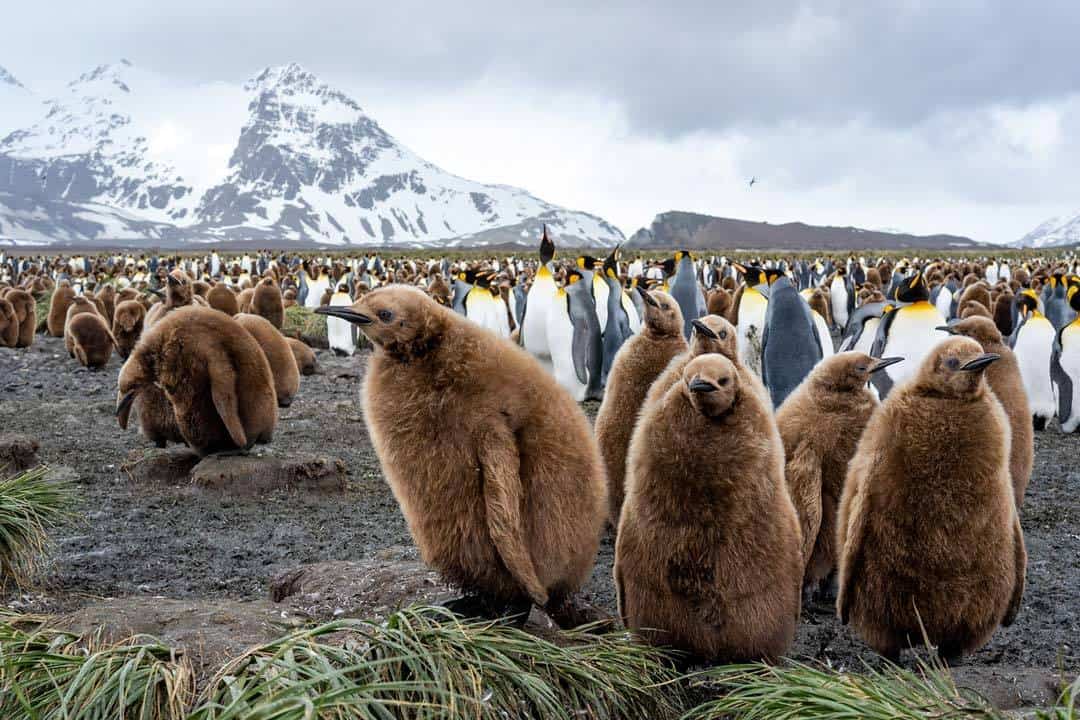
column 345, row 313
column 703, row 329
column 946, row 328
column 172, row 281
column 123, row 408
column 883, row 363
column 647, row 297
column 980, row 363
column 698, row 385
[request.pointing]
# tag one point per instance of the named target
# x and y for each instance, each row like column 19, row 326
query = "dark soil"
column 135, row 536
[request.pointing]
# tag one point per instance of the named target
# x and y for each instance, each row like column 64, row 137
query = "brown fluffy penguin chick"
column 974, row 308
column 928, row 531
column 975, row 292
column 92, row 343
column 128, row 325
column 58, row 306
column 266, row 301
column 9, row 324
column 1003, row 312
column 1007, row 384
column 213, row 374
column 719, row 302
column 638, row 363
column 26, row 313
column 304, row 356
column 222, row 299
column 508, row 498
column 707, row 558
column 243, row 299
column 178, row 293
column 278, row 353
column 820, row 425
column 80, row 305
column 106, row 296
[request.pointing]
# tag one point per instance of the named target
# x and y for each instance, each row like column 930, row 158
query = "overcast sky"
column 919, row 115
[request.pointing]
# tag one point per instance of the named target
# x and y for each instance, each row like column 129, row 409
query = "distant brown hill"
column 693, row 231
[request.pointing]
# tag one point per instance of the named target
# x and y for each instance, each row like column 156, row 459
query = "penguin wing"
column 803, row 473
column 1019, row 568
column 580, row 344
column 764, row 343
column 1011, row 340
column 1061, row 379
column 817, row 338
column 223, row 391
column 500, row 465
column 882, row 336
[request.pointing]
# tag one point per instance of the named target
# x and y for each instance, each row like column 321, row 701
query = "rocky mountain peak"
column 6, row 78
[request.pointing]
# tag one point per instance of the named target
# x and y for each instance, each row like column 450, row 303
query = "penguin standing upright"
column 1033, row 342
column 574, row 336
column 749, row 315
column 862, row 327
column 790, row 345
column 316, row 289
column 684, row 287
column 1065, row 368
column 1055, row 304
column 617, row 330
column 341, row 334
column 909, row 330
column 592, row 274
column 538, row 304
column 838, row 298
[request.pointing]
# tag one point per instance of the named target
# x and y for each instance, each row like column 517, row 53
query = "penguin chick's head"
column 400, row 319
column 711, row 383
column 178, row 288
column 713, row 334
column 662, row 314
column 955, row 369
column 134, row 376
column 980, row 329
column 848, row 371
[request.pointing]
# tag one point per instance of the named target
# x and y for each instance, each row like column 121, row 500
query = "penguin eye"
column 385, row 315
column 952, row 363
column 722, row 382
column 723, row 334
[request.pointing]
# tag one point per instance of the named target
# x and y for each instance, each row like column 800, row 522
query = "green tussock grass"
column 1068, row 705
column 30, row 505
column 41, row 307
column 753, row 692
column 426, row 663
column 304, row 322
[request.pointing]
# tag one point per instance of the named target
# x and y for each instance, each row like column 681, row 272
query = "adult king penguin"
column 617, row 330
column 909, row 330
column 1065, row 368
column 749, row 315
column 790, row 345
column 1033, row 342
column 577, row 350
column 684, row 287
column 341, row 334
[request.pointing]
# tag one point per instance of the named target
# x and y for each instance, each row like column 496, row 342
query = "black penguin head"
column 711, row 383
column 912, row 289
column 611, row 264
column 1074, row 297
column 587, row 262
column 752, row 274
column 773, row 274
column 668, row 266
column 547, row 248
column 1027, row 302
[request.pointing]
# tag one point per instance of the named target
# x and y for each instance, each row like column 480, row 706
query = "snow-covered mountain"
column 121, row 155
column 1056, row 232
column 18, row 106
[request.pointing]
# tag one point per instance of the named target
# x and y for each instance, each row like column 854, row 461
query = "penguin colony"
column 737, row 457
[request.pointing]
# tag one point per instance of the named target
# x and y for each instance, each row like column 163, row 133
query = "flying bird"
column 752, row 181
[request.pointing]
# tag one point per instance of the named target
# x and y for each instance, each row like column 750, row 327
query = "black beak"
column 647, row 297
column 125, row 403
column 980, row 363
column 698, row 385
column 883, row 363
column 345, row 313
column 946, row 328
column 703, row 329
column 172, row 281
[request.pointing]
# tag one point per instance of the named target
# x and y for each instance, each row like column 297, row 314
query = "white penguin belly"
column 752, row 308
column 338, row 331
column 1034, row 345
column 944, row 302
column 1070, row 363
column 838, row 298
column 560, row 334
column 538, row 303
column 912, row 336
column 823, row 335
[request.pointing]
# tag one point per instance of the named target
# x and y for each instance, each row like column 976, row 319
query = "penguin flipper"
column 817, row 338
column 878, row 347
column 851, row 527
column 1061, row 379
column 579, row 349
column 223, row 391
column 764, row 342
column 500, row 466
column 803, row 473
column 1019, row 568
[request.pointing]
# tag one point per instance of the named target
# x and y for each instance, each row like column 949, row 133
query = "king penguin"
column 316, row 288
column 790, row 344
column 1033, row 342
column 862, row 327
column 341, row 334
column 909, row 330
column 1065, row 368
column 839, row 294
column 1056, row 305
column 538, row 304
column 684, row 287
column 749, row 314
column 592, row 274
column 617, row 330
column 577, row 353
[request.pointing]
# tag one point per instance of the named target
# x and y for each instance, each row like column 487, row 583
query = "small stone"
column 17, row 453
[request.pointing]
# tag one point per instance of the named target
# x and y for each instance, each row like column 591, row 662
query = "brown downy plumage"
column 80, row 304
column 719, row 302
column 266, row 301
column 928, row 531
column 820, row 424
column 304, row 356
column 974, row 308
column 222, row 299
column 9, row 324
column 1008, row 386
column 975, row 292
column 91, row 341
column 819, row 303
column 106, row 296
column 439, row 290
column 507, row 498
column 58, row 306
column 638, row 363
column 178, row 293
column 1003, row 312
column 278, row 353
column 25, row 313
column 244, row 298
column 707, row 558
column 128, row 326
column 214, row 376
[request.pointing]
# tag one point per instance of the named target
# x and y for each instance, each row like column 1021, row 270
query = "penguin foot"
column 1039, row 423
column 514, row 613
column 574, row 611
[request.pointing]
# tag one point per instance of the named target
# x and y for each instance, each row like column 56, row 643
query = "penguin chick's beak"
column 123, row 408
column 345, row 313
column 698, row 385
column 703, row 329
column 946, row 328
column 647, row 297
column 883, row 363
column 980, row 363
column 171, row 280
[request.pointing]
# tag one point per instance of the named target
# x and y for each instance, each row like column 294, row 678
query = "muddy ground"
column 171, row 540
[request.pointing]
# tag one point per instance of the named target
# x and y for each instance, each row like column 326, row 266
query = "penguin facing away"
column 686, row 291
column 790, row 345
column 1033, row 343
column 617, row 330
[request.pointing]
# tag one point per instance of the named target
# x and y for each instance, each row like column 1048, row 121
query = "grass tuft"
column 752, row 692
column 30, row 505
column 1068, row 705
column 302, row 322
